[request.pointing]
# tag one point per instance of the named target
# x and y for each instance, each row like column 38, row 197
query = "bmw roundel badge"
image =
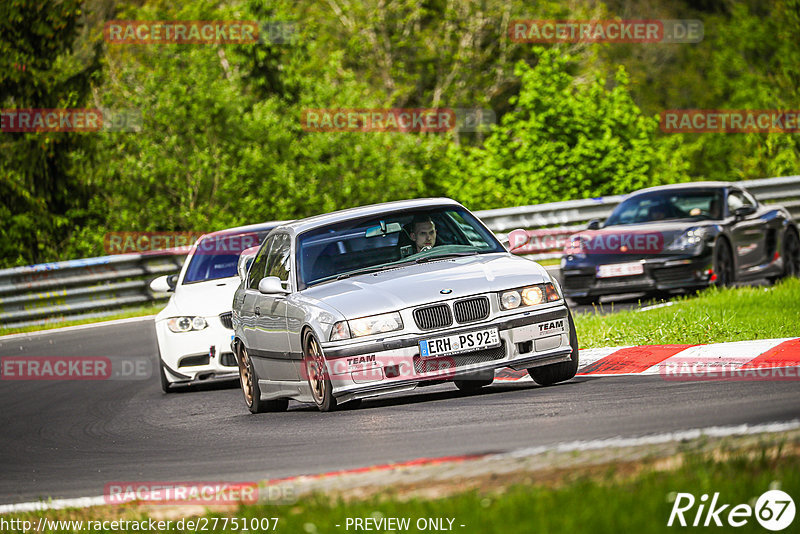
column 446, row 291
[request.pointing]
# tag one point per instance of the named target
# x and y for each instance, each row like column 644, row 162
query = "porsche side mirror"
column 594, row 224
column 744, row 211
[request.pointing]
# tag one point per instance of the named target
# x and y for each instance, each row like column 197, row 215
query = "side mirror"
column 744, row 211
column 594, row 224
column 164, row 284
column 271, row 285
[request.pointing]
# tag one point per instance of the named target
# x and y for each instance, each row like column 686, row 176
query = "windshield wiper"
column 365, row 270
column 426, row 259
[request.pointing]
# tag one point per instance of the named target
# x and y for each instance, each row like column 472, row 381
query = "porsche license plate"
column 457, row 343
column 620, row 269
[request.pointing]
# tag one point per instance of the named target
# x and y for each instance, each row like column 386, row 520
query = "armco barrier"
column 92, row 287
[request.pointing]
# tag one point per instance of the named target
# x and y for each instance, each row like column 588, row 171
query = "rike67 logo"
column 774, row 510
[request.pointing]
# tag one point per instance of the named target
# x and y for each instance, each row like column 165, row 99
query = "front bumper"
column 660, row 274
column 197, row 356
column 370, row 368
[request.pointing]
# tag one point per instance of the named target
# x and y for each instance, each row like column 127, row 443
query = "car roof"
column 686, row 185
column 244, row 229
column 316, row 221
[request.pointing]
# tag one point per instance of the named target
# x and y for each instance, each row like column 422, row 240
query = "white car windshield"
column 217, row 256
column 381, row 242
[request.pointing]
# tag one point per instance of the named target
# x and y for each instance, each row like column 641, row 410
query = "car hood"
column 417, row 284
column 648, row 238
column 204, row 299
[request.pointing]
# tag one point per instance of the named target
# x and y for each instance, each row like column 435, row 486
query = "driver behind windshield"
column 423, row 234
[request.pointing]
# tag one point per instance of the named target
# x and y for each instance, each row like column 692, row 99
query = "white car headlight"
column 367, row 326
column 690, row 241
column 529, row 296
column 186, row 324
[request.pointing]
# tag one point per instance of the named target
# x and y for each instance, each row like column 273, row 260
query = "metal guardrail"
column 92, row 287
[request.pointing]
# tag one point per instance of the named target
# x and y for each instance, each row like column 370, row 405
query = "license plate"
column 464, row 342
column 620, row 269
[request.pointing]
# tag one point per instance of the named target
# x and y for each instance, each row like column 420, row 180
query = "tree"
column 564, row 139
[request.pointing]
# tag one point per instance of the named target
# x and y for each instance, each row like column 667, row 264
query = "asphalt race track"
column 70, row 438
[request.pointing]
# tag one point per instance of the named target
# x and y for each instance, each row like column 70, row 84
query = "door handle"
column 258, row 311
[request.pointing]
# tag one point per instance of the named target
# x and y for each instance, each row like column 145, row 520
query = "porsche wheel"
column 791, row 254
column 585, row 301
column 248, row 378
column 723, row 264
column 317, row 373
column 548, row 375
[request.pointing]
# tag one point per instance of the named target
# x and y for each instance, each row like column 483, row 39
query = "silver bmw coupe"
column 385, row 298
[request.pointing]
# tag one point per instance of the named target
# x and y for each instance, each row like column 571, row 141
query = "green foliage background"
column 221, row 142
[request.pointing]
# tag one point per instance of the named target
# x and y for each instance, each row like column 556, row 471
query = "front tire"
column 791, row 254
column 317, row 373
column 585, row 301
column 547, row 375
column 248, row 379
column 723, row 264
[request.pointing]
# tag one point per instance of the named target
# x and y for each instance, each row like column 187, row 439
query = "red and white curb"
column 735, row 359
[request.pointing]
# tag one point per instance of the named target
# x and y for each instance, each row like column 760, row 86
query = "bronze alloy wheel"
column 252, row 392
column 245, row 377
column 318, row 380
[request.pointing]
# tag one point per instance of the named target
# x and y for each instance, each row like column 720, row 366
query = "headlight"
column 367, row 326
column 529, row 296
column 186, row 324
column 690, row 241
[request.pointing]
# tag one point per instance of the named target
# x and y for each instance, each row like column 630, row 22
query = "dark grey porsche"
column 681, row 237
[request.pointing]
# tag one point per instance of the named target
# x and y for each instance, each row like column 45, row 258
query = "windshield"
column 217, row 256
column 694, row 204
column 388, row 240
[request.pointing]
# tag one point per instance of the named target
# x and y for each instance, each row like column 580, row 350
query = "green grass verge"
column 714, row 316
column 132, row 312
column 614, row 498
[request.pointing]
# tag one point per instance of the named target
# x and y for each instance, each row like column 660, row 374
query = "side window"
column 737, row 199
column 279, row 260
column 258, row 267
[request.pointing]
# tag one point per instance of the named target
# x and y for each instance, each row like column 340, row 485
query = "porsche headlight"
column 367, row 326
column 186, row 324
column 529, row 296
column 691, row 241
